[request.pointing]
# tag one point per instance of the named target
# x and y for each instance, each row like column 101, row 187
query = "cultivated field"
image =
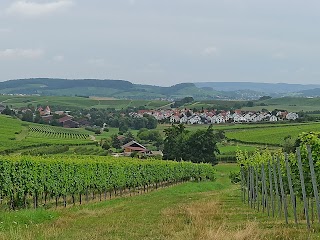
column 15, row 134
column 205, row 210
column 78, row 102
column 273, row 135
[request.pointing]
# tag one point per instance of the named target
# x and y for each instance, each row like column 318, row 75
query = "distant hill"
column 122, row 89
column 271, row 88
column 105, row 88
column 310, row 92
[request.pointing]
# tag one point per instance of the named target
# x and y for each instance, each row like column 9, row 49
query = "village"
column 173, row 116
column 187, row 116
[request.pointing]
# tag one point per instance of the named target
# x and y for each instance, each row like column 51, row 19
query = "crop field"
column 78, row 102
column 45, row 131
column 193, row 210
column 261, row 134
column 270, row 135
column 88, row 150
column 15, row 134
column 294, row 104
column 40, row 177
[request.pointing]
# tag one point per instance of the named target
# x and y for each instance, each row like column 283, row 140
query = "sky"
column 161, row 42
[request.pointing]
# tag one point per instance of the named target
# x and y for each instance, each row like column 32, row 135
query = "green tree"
column 106, row 144
column 27, row 116
column 174, row 142
column 115, row 142
column 8, row 111
column 202, row 146
column 128, row 137
column 199, row 146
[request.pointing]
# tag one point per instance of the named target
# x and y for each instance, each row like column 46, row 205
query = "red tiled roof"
column 65, row 118
column 137, row 149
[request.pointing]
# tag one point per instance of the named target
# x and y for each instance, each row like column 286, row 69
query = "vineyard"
column 284, row 185
column 33, row 181
column 45, row 131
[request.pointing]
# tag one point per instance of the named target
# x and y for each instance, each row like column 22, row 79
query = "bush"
column 235, row 177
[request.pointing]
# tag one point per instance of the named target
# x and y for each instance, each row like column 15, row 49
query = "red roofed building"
column 46, row 111
column 65, row 118
column 134, row 146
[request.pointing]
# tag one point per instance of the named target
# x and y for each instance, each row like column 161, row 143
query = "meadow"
column 78, row 102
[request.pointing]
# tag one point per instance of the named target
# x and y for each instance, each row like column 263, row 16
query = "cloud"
column 210, row 51
column 21, row 53
column 58, row 58
column 98, row 62
column 279, row 55
column 5, row 30
column 35, row 9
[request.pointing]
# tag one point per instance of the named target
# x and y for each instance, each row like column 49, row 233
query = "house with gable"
column 134, row 146
column 273, row 119
column 195, row 119
column 292, row 116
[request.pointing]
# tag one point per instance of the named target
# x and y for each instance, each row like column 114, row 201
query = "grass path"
column 207, row 210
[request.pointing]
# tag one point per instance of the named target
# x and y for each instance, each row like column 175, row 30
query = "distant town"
column 174, row 116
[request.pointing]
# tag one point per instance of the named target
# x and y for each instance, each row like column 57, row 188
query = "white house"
column 174, row 119
column 195, row 119
column 273, row 119
column 292, row 116
column 183, row 119
column 220, row 119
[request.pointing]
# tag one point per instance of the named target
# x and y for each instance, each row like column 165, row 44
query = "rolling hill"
column 121, row 89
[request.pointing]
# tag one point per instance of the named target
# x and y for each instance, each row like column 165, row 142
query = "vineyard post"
column 266, row 203
column 291, row 188
column 256, row 190
column 243, row 195
column 277, row 187
column 314, row 181
column 284, row 200
column 312, row 210
column 271, row 188
column 251, row 188
column 262, row 190
column 303, row 187
column 248, row 185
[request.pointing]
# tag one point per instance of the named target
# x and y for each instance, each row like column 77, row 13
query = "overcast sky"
column 161, row 42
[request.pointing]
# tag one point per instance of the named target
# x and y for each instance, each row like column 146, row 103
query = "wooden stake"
column 271, row 188
column 277, row 188
column 314, row 181
column 303, row 187
column 291, row 188
column 284, row 200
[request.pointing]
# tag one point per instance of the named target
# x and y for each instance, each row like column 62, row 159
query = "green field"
column 205, row 210
column 271, row 135
column 78, row 102
column 292, row 104
column 15, row 134
column 261, row 134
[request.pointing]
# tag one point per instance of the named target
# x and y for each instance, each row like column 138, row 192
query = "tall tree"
column 199, row 146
